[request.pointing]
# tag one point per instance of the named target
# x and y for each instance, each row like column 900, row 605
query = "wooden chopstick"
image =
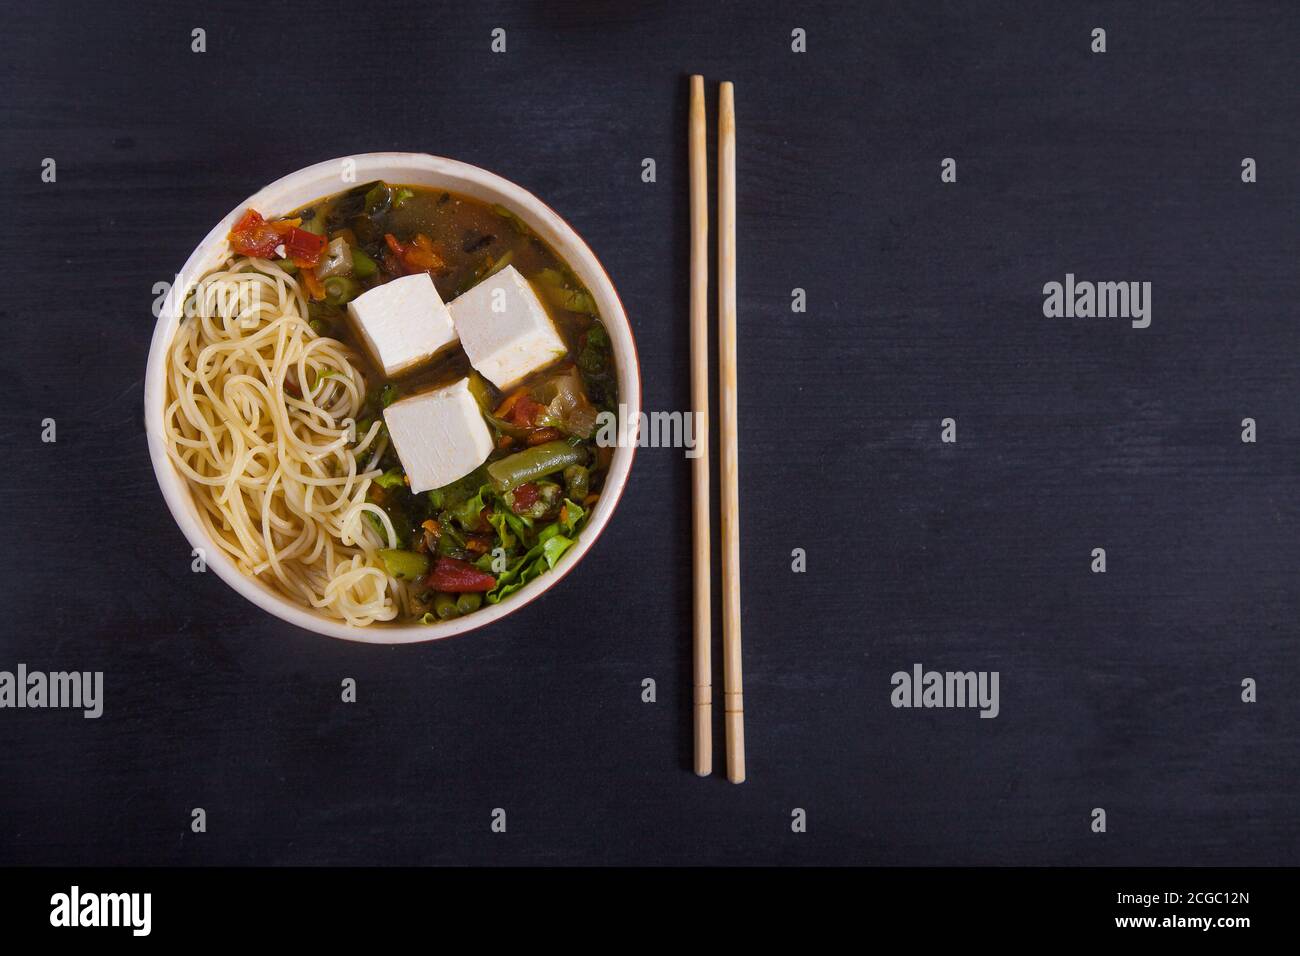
column 732, row 690
column 700, row 405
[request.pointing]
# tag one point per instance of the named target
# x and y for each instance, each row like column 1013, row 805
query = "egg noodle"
column 261, row 421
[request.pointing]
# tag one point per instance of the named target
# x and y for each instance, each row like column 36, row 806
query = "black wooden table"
column 924, row 301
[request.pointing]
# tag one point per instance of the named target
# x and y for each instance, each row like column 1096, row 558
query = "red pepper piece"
column 456, row 577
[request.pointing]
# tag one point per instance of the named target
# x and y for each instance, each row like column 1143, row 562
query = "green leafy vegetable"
column 469, row 514
column 459, row 491
column 378, row 198
column 521, row 227
column 554, row 547
column 572, row 516
column 563, row 294
column 372, row 519
column 543, row 556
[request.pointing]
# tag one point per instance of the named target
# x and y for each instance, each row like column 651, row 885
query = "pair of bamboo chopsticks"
column 732, row 694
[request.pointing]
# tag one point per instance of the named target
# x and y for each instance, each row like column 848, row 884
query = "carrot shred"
column 504, row 408
column 314, row 287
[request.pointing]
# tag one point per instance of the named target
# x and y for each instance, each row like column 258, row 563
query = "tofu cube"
column 403, row 322
column 504, row 328
column 439, row 436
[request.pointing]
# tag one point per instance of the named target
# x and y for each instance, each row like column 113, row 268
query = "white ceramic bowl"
column 325, row 179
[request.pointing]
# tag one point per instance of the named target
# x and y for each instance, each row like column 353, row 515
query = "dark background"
column 1119, row 690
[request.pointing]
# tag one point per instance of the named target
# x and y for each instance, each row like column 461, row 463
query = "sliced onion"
column 337, row 260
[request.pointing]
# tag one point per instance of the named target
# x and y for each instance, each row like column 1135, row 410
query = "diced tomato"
column 456, row 577
column 525, row 412
column 303, row 247
column 254, row 236
column 526, row 496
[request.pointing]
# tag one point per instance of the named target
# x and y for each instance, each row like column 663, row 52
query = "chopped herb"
column 521, row 227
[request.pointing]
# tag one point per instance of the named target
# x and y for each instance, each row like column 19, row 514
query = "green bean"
column 363, row 267
column 340, row 289
column 533, row 463
column 444, row 605
column 469, row 601
column 577, row 480
column 405, row 565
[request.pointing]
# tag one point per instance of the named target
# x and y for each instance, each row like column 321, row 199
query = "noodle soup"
column 348, row 359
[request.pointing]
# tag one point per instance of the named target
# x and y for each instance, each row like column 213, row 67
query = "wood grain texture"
column 924, row 302
column 701, row 512
column 733, row 693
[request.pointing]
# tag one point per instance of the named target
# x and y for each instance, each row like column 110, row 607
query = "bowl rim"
column 366, row 166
